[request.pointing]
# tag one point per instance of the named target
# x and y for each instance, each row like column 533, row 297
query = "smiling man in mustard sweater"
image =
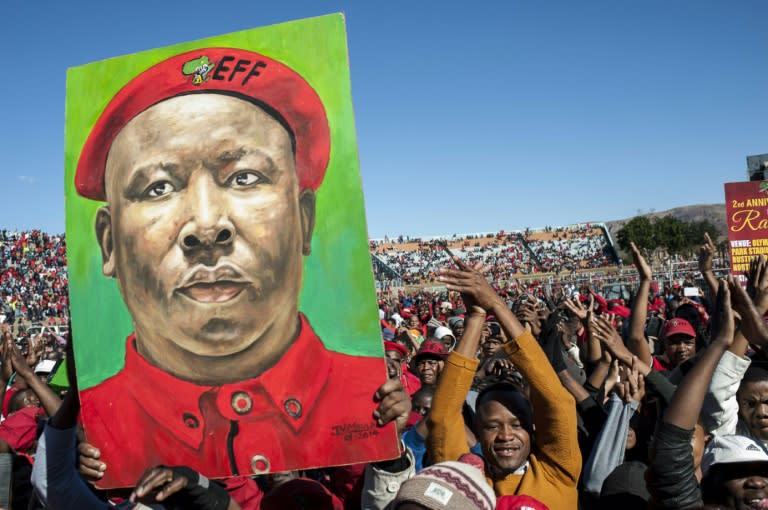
column 530, row 446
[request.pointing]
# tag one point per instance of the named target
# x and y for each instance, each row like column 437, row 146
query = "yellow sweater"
column 555, row 460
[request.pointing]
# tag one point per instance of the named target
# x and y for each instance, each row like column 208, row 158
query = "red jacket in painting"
column 313, row 408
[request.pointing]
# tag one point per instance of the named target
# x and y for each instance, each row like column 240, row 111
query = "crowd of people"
column 577, row 401
column 549, row 394
column 33, row 277
column 550, row 250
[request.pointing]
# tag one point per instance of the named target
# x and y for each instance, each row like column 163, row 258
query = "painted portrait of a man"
column 206, row 169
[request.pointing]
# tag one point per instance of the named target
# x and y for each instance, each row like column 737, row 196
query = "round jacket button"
column 241, row 402
column 191, row 421
column 259, row 464
column 293, row 408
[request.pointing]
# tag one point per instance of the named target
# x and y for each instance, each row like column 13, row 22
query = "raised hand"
column 20, row 364
column 527, row 314
column 612, row 379
column 579, row 310
column 632, row 385
column 474, row 288
column 751, row 326
column 724, row 319
column 604, row 331
column 706, row 253
column 6, row 349
column 34, row 350
column 757, row 283
column 643, row 269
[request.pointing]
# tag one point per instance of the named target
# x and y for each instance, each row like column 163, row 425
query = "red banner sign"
column 746, row 205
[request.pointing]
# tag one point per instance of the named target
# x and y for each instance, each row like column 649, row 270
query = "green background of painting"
column 338, row 293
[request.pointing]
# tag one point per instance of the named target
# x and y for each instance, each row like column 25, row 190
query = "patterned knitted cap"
column 448, row 486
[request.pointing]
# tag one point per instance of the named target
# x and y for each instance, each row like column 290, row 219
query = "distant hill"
column 714, row 213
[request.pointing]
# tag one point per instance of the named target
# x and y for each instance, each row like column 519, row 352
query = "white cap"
column 731, row 449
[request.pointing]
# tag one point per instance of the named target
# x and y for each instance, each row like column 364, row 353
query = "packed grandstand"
column 507, row 254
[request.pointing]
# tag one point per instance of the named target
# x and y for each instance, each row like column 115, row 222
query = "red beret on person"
column 275, row 87
column 394, row 346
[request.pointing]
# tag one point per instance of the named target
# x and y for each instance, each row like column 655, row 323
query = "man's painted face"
column 506, row 444
column 753, row 407
column 206, row 227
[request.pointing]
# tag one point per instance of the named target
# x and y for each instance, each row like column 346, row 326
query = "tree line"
column 667, row 235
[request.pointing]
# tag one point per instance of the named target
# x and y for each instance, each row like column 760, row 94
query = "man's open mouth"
column 506, row 451
column 214, row 292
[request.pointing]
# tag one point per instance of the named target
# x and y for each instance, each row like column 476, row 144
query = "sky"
column 470, row 117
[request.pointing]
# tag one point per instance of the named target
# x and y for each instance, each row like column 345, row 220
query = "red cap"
column 394, row 346
column 228, row 71
column 677, row 326
column 431, row 349
column 519, row 503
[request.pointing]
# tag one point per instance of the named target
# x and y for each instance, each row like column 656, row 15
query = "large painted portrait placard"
column 223, row 304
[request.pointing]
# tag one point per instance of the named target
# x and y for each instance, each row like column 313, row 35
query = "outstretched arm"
column 6, row 369
column 671, row 477
column 48, row 398
column 706, row 253
column 683, row 411
column 554, row 408
column 54, row 474
column 447, row 439
column 638, row 344
column 720, row 411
